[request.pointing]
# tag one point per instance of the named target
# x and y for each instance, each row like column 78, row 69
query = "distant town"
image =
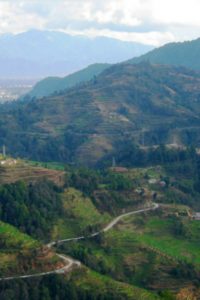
column 11, row 90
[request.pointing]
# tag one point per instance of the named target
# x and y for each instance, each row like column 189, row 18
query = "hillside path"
column 70, row 262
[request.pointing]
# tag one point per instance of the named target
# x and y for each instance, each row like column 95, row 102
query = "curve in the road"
column 107, row 228
column 69, row 261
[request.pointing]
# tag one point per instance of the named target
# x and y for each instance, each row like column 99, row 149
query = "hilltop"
column 51, row 85
column 12, row 170
column 184, row 54
column 144, row 104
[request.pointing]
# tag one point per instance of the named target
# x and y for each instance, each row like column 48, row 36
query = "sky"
column 153, row 22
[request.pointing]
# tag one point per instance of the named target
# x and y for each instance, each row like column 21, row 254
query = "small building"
column 152, row 181
column 162, row 184
column 196, row 216
column 8, row 162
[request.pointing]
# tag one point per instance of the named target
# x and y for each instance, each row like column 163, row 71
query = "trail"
column 70, row 262
column 107, row 228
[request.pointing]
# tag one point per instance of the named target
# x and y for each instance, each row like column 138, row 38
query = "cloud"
column 176, row 12
column 150, row 38
column 13, row 19
column 148, row 21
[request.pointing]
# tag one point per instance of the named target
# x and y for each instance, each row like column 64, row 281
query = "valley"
column 150, row 252
column 11, row 90
column 100, row 163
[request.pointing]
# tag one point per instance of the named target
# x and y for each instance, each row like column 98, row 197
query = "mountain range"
column 130, row 231
column 37, row 54
column 144, row 103
column 184, row 54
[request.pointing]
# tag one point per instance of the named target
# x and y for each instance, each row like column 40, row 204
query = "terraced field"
column 145, row 250
column 29, row 173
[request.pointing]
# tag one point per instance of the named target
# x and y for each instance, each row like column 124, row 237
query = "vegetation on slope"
column 18, row 170
column 31, row 208
column 157, row 251
column 184, row 54
column 84, row 284
column 51, row 85
column 126, row 103
column 80, row 216
column 20, row 254
column 147, row 251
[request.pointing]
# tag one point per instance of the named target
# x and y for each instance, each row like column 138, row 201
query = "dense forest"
column 52, row 287
column 32, row 208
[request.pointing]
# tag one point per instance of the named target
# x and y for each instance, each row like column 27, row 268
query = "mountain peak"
column 38, row 54
column 184, row 54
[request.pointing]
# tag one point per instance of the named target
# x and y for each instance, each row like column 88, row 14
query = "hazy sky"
column 148, row 21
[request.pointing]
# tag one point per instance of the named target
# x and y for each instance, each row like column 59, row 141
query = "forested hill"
column 185, row 54
column 146, row 104
column 179, row 54
column 50, row 85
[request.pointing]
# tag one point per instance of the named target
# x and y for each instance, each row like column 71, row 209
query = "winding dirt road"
column 70, row 262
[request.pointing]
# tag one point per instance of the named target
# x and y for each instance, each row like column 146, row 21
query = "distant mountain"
column 186, row 54
column 51, row 85
column 144, row 103
column 37, row 54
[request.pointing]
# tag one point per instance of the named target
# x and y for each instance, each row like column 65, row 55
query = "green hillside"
column 151, row 255
column 51, row 85
column 15, row 170
column 20, row 254
column 108, row 288
column 145, row 251
column 13, row 241
column 13, row 238
column 184, row 54
column 80, row 216
column 144, row 104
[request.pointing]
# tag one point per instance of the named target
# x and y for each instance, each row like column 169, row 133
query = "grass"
column 102, row 285
column 13, row 242
column 157, row 234
column 177, row 249
column 31, row 172
column 143, row 251
column 154, row 172
column 13, row 238
column 20, row 254
column 80, row 214
column 7, row 261
column 48, row 165
column 65, row 228
column 82, row 208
